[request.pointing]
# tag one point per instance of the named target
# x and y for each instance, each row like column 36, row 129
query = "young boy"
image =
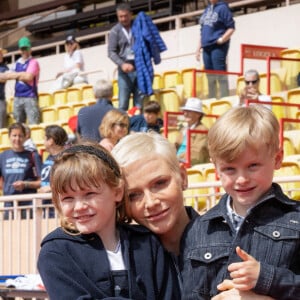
column 149, row 120
column 254, row 215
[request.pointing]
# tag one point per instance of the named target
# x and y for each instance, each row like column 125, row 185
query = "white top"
column 116, row 259
column 70, row 61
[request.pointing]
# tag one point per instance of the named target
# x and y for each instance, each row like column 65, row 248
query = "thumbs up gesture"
column 244, row 274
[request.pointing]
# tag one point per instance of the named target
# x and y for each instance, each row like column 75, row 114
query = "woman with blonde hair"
column 113, row 127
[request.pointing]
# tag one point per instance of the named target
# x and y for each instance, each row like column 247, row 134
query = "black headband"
column 103, row 155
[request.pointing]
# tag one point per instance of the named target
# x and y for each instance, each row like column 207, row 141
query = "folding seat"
column 4, row 138
column 169, row 100
column 87, row 92
column 293, row 96
column 292, row 67
column 37, row 133
column 60, row 97
column 74, row 94
column 171, row 78
column 48, row 114
column 292, row 188
column 45, row 99
column 157, row 82
column 219, row 107
column 194, row 197
column 64, row 112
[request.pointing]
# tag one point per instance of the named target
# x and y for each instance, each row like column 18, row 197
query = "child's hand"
column 244, row 274
column 234, row 294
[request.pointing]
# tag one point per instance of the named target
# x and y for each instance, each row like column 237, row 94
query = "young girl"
column 94, row 255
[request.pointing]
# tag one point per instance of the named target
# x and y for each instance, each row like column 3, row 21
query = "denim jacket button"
column 208, row 255
column 276, row 234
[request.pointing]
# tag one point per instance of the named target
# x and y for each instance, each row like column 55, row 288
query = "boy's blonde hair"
column 242, row 127
column 85, row 166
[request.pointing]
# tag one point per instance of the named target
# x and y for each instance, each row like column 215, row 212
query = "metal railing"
column 21, row 238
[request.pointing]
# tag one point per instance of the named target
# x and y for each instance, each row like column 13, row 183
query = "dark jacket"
column 90, row 117
column 270, row 233
column 77, row 267
column 147, row 46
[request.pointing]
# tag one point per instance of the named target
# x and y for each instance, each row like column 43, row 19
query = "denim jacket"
column 270, row 233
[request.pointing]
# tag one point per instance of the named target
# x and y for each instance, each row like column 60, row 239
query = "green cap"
column 24, row 42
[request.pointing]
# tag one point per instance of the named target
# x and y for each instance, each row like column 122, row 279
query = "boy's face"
column 248, row 177
column 150, row 117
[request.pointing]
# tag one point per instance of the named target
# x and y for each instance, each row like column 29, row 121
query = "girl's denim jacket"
column 270, row 233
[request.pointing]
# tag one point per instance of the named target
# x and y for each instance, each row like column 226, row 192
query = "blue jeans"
column 127, row 83
column 214, row 58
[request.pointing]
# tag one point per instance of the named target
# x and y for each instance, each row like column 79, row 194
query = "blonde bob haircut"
column 110, row 119
column 140, row 145
column 239, row 128
column 84, row 166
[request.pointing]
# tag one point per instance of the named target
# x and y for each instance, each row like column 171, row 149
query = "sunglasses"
column 251, row 81
column 122, row 125
column 24, row 48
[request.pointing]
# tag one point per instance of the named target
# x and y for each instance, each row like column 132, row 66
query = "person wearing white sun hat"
column 193, row 114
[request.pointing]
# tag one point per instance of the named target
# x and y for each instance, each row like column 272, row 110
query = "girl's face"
column 120, row 129
column 17, row 139
column 248, row 177
column 155, row 194
column 92, row 209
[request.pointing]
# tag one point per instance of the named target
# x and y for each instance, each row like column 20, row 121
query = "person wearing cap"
column 3, row 69
column 73, row 66
column 26, row 73
column 193, row 115
column 120, row 51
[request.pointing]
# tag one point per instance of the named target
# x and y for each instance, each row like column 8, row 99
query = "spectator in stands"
column 20, row 169
column 156, row 181
column 29, row 143
column 193, row 115
column 94, row 255
column 120, row 51
column 217, row 27
column 73, row 66
column 55, row 142
column 149, row 120
column 90, row 117
column 113, row 127
column 3, row 110
column 251, row 90
column 26, row 72
column 254, row 216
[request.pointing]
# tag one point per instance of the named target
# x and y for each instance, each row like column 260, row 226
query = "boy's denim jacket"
column 270, row 233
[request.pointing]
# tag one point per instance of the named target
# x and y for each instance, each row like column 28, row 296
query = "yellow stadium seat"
column 87, row 92
column 169, row 100
column 289, row 168
column 45, row 99
column 115, row 88
column 4, row 137
column 77, row 106
column 64, row 112
column 293, row 96
column 279, row 110
column 37, row 133
column 292, row 67
column 60, row 97
column 157, row 82
column 192, row 196
column 48, row 115
column 288, row 147
column 219, row 107
column 171, row 78
column 10, row 105
column 74, row 94
column 294, row 137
